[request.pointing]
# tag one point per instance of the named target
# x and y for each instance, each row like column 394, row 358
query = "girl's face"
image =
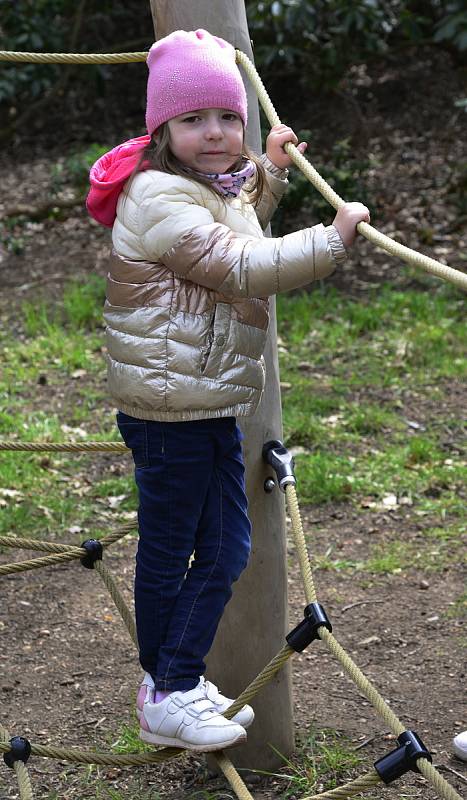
column 209, row 140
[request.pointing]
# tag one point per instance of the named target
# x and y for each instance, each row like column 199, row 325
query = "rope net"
column 64, row 552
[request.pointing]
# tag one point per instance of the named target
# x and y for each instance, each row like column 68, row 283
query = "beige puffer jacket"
column 187, row 309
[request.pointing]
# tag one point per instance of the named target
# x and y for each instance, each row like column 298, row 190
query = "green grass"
column 337, row 352
column 458, row 609
column 322, row 757
column 58, row 348
column 392, row 336
column 416, row 469
column 434, row 551
column 323, row 477
column 128, row 741
column 352, row 367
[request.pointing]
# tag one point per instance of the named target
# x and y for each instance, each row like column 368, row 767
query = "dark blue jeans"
column 192, row 502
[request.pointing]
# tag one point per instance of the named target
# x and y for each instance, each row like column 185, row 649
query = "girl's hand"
column 278, row 137
column 347, row 219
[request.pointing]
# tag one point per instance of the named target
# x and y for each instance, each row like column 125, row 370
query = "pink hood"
column 108, row 176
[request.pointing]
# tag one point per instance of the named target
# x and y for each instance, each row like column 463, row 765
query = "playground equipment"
column 411, row 753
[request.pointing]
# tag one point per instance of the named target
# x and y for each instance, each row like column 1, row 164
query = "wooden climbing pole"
column 255, row 622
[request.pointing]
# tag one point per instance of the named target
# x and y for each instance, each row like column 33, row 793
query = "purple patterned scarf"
column 231, row 183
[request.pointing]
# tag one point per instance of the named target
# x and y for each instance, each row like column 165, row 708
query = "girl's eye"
column 191, row 119
column 230, row 117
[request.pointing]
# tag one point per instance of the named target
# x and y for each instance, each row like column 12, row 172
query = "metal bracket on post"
column 308, row 629
column 278, row 457
column 93, row 549
column 20, row 751
column 403, row 758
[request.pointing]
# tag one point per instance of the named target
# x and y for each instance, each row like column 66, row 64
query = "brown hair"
column 160, row 157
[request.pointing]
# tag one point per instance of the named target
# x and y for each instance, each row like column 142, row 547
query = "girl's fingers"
column 285, row 133
column 288, row 136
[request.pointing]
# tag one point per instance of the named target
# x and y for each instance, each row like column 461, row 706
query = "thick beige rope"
column 77, row 756
column 72, row 58
column 266, row 674
column 362, row 784
column 362, row 682
column 118, row 599
column 62, row 553
column 48, row 547
column 53, row 547
column 300, row 544
column 119, row 533
column 36, row 563
column 65, row 447
column 432, row 775
column 429, row 772
column 370, row 233
column 233, row 777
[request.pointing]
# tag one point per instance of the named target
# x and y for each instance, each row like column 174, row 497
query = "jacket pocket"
column 217, row 341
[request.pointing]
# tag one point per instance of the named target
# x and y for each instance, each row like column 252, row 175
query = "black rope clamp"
column 20, row 751
column 93, row 549
column 282, row 462
column 307, row 630
column 403, row 759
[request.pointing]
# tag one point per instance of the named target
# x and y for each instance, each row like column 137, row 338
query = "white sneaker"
column 459, row 744
column 244, row 717
column 188, row 720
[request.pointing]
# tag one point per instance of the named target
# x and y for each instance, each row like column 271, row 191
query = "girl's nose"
column 213, row 129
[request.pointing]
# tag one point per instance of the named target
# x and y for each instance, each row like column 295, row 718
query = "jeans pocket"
column 134, row 433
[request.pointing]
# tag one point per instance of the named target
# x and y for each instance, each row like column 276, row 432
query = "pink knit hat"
column 190, row 70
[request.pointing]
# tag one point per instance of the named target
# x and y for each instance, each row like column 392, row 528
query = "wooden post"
column 255, row 621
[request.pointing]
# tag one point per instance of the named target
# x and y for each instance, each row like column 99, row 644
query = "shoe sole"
column 243, row 724
column 166, row 741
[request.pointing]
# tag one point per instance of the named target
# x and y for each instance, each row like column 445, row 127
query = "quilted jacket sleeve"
column 277, row 183
column 172, row 227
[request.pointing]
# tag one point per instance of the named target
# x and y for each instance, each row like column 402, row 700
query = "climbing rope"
column 71, row 552
column 362, row 784
column 118, row 599
column 75, row 755
column 233, row 778
column 370, row 233
column 73, row 58
column 66, row 447
column 377, row 238
column 425, row 767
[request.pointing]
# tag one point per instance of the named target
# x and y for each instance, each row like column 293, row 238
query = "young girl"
column 187, row 317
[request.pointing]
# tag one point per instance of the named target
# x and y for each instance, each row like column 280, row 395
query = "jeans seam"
column 166, row 678
column 169, row 532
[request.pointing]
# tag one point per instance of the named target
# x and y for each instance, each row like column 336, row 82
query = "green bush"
column 319, row 39
column 316, row 40
column 75, row 168
column 452, row 27
column 63, row 26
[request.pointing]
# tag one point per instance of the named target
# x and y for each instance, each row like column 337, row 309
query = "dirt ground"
column 68, row 670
